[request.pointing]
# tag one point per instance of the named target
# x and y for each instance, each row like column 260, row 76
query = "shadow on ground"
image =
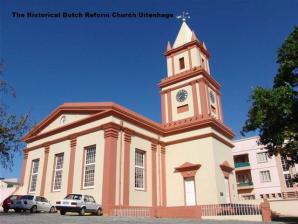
column 288, row 220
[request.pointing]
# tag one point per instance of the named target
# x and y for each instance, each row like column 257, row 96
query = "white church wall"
column 72, row 131
column 196, row 152
column 50, row 194
column 176, row 104
column 176, row 58
column 223, row 153
column 68, row 118
column 140, row 197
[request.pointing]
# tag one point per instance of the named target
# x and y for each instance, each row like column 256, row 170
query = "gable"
column 62, row 120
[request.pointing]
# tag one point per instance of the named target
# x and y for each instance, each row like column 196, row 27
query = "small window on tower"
column 181, row 63
column 203, row 63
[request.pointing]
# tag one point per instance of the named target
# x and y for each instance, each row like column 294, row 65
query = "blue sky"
column 51, row 61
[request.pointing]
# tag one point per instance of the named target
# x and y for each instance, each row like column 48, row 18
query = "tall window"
column 139, row 169
column 261, row 157
column 288, row 180
column 34, row 174
column 181, row 63
column 58, row 172
column 265, row 176
column 284, row 163
column 89, row 166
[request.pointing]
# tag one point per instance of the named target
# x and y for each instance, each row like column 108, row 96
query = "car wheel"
column 33, row 209
column 52, row 209
column 5, row 209
column 62, row 212
column 82, row 212
column 98, row 212
column 17, row 210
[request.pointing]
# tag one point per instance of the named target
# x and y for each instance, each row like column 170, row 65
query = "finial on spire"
column 184, row 16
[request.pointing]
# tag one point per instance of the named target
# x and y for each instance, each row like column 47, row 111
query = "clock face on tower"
column 181, row 95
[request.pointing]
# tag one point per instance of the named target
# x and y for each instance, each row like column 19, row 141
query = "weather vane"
column 184, row 16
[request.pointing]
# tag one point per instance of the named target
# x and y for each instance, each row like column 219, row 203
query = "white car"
column 33, row 204
column 78, row 203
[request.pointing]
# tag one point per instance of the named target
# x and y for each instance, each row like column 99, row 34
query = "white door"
column 227, row 190
column 190, row 194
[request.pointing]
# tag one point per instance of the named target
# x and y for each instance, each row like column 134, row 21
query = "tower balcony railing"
column 242, row 164
column 244, row 184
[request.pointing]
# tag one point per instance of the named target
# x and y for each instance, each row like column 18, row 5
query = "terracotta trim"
column 24, row 166
column 180, row 212
column 195, row 99
column 188, row 170
column 111, row 110
column 154, row 184
column 73, row 143
column 111, row 132
column 196, row 71
column 266, row 211
column 169, row 100
column 226, row 169
column 182, row 109
column 163, row 108
column 188, row 44
column 65, row 138
column 203, row 99
column 30, row 176
column 126, row 184
column 163, row 173
column 178, row 86
column 44, row 170
column 211, row 134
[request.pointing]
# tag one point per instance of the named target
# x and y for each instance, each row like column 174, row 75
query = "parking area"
column 72, row 218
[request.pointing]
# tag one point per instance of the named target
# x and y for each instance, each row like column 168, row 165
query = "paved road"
column 45, row 218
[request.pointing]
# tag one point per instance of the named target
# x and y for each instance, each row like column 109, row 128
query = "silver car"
column 78, row 203
column 33, row 204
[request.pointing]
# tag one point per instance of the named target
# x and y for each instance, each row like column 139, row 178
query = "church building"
column 125, row 160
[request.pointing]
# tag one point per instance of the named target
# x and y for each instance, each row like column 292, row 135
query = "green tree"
column 12, row 127
column 274, row 111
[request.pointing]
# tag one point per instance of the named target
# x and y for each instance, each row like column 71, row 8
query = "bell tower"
column 188, row 93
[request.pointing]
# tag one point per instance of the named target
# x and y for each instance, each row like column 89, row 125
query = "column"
column 154, row 185
column 111, row 132
column 163, row 173
column 126, row 182
column 203, row 97
column 44, row 170
column 73, row 144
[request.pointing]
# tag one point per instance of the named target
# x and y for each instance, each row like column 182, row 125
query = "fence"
column 230, row 209
column 290, row 195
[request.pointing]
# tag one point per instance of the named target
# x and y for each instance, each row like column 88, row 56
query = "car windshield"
column 74, row 196
column 28, row 197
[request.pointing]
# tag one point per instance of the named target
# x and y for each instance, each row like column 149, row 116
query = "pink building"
column 259, row 176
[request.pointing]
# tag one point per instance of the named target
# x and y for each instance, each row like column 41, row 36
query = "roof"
column 184, row 35
column 99, row 110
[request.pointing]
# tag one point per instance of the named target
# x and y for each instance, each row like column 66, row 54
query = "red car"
column 9, row 201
